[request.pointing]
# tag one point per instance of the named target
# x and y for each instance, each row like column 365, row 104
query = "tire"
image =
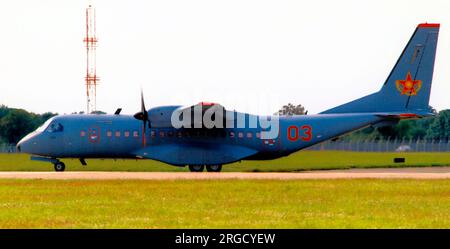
column 214, row 168
column 196, row 168
column 60, row 166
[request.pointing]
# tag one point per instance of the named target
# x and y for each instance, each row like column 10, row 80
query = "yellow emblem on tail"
column 408, row 86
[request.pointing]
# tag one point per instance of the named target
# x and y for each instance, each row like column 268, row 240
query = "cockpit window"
column 55, row 127
column 44, row 126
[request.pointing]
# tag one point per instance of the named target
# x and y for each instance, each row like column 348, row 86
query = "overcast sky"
column 250, row 56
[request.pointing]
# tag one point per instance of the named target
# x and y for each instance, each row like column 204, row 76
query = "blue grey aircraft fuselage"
column 405, row 94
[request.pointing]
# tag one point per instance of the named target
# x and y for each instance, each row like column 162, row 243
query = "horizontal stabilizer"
column 401, row 115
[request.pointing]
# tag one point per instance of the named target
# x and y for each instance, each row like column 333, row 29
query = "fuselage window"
column 170, row 133
column 152, row 133
column 179, row 134
column 109, row 133
column 161, row 134
column 231, row 134
column 126, row 134
column 82, row 133
column 240, row 135
column 135, row 134
column 117, row 133
column 258, row 135
column 249, row 135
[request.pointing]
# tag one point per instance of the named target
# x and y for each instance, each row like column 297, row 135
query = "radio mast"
column 91, row 77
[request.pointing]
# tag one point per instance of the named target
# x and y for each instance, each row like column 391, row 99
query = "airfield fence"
column 386, row 145
column 8, row 148
column 360, row 145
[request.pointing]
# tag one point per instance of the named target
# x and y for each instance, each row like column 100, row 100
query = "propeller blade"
column 142, row 102
column 144, row 118
column 144, row 110
column 143, row 115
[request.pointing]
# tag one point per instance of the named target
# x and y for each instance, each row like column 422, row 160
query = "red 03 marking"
column 293, row 133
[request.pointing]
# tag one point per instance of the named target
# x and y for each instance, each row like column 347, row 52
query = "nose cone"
column 27, row 144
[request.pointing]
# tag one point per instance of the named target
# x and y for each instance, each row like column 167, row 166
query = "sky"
column 248, row 55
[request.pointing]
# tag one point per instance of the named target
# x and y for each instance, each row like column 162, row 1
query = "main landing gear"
column 214, row 168
column 196, row 168
column 209, row 168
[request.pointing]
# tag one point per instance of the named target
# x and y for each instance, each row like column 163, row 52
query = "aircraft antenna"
column 91, row 77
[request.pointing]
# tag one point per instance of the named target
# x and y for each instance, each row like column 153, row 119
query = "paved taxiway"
column 390, row 173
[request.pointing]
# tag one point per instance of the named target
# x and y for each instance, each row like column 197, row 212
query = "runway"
column 385, row 173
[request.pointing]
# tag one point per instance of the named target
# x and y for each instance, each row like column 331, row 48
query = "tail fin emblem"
column 408, row 86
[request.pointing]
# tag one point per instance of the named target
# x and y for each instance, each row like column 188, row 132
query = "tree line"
column 432, row 128
column 17, row 123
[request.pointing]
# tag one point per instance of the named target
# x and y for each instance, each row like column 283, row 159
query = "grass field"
column 303, row 160
column 225, row 204
column 228, row 203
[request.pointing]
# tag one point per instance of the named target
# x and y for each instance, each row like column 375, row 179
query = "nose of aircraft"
column 26, row 144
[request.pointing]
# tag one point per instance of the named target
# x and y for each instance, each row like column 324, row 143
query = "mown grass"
column 303, row 160
column 225, row 204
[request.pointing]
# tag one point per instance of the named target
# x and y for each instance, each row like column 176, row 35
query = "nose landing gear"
column 60, row 166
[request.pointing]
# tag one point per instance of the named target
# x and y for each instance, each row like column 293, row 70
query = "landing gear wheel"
column 214, row 168
column 60, row 166
column 196, row 168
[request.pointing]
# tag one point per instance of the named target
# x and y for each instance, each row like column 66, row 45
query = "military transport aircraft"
column 172, row 134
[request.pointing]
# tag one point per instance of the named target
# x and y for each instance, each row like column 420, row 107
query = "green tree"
column 290, row 109
column 45, row 116
column 409, row 129
column 98, row 112
column 440, row 127
column 3, row 111
column 16, row 124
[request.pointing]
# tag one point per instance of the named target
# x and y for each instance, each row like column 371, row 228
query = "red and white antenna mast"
column 91, row 77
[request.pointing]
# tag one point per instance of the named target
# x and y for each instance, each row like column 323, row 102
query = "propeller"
column 143, row 115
